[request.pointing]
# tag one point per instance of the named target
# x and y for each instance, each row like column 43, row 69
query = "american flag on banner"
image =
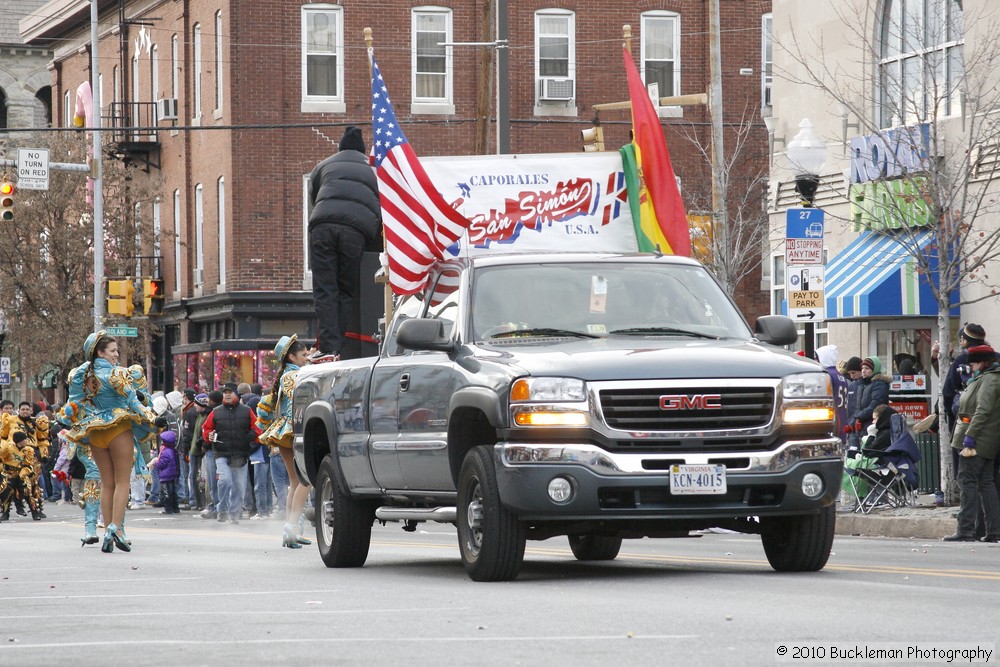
column 419, row 224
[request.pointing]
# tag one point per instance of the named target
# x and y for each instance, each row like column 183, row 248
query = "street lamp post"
column 807, row 153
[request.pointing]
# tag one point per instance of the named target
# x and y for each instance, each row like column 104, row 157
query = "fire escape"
column 132, row 125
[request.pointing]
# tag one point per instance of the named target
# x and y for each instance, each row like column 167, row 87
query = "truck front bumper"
column 612, row 485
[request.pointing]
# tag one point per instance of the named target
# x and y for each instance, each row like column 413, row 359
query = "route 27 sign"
column 803, row 236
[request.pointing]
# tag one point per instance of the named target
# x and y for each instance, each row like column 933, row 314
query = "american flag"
column 419, row 224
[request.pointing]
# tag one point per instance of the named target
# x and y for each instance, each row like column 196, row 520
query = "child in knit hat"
column 168, row 467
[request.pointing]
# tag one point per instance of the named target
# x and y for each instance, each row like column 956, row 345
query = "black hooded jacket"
column 343, row 191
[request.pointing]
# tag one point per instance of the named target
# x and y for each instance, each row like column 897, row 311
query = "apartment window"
column 555, row 56
column 766, row 60
column 431, row 64
column 197, row 70
column 322, row 58
column 177, row 240
column 221, row 187
column 136, row 96
column 116, row 85
column 157, row 232
column 137, row 224
column 175, row 67
column 67, row 110
column 921, row 65
column 154, row 73
column 661, row 51
column 199, row 236
column 218, row 60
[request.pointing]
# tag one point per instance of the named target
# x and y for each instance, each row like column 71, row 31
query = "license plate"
column 697, row 479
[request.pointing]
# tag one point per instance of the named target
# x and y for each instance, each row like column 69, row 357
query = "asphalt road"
column 195, row 592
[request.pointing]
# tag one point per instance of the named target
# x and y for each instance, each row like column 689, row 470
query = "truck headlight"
column 807, row 385
column 543, row 401
column 548, row 389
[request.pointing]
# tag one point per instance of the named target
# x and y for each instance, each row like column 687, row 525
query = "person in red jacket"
column 232, row 430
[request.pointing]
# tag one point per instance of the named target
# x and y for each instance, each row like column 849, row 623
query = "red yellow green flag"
column 655, row 202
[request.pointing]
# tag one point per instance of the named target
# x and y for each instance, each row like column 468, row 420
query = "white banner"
column 554, row 202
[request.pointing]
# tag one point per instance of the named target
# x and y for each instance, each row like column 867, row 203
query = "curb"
column 919, row 527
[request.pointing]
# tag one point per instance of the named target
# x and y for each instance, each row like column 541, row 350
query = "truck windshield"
column 601, row 299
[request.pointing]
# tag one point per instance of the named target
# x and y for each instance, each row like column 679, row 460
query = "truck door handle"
column 404, row 381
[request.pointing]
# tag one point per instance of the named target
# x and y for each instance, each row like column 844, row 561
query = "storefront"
column 876, row 280
column 208, row 369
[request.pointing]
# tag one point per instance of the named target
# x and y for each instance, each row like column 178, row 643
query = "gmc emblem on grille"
column 693, row 402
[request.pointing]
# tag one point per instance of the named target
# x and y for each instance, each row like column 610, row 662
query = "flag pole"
column 384, row 277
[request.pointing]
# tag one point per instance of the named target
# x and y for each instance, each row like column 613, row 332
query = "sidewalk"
column 925, row 521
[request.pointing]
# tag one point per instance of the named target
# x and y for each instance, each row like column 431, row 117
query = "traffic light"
column 152, row 296
column 7, row 201
column 120, row 297
column 593, row 139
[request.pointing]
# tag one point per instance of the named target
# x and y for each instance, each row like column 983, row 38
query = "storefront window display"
column 180, row 372
column 234, row 366
column 905, row 354
column 192, row 372
column 206, row 376
column 267, row 368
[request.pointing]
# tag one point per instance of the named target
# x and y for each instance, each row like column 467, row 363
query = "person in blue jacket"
column 104, row 412
column 873, row 392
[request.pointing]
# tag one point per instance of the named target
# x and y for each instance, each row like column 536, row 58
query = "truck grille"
column 638, row 409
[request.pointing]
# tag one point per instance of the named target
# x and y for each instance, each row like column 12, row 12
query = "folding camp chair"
column 892, row 480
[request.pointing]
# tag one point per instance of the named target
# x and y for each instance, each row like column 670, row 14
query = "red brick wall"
column 263, row 168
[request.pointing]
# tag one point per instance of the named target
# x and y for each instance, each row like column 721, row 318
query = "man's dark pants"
column 975, row 477
column 335, row 256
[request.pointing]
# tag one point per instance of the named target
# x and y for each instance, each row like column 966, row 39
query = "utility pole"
column 720, row 213
column 97, row 171
column 503, row 81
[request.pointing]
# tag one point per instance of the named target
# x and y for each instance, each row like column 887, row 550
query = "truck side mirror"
column 424, row 334
column 776, row 330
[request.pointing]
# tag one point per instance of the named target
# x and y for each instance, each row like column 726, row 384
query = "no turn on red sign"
column 33, row 168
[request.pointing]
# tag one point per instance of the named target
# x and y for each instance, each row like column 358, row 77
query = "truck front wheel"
column 595, row 547
column 490, row 538
column 343, row 524
column 799, row 543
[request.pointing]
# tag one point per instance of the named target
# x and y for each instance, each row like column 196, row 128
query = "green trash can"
column 929, row 467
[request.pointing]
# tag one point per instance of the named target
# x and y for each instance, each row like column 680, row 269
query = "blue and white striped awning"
column 876, row 276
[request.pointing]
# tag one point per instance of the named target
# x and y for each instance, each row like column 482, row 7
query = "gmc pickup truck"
column 597, row 396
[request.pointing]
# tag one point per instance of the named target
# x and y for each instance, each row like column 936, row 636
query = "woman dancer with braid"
column 103, row 412
column 274, row 419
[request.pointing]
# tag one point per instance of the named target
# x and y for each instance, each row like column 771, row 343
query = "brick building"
column 264, row 89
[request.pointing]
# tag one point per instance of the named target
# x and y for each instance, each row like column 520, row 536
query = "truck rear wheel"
column 595, row 547
column 490, row 538
column 799, row 543
column 343, row 524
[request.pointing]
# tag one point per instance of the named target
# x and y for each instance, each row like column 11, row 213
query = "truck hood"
column 648, row 358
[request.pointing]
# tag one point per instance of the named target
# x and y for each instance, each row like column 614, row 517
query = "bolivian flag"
column 653, row 197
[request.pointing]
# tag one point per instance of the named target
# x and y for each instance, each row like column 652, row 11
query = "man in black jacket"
column 232, row 430
column 345, row 218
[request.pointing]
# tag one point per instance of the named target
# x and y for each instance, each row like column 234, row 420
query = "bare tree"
column 47, row 258
column 737, row 254
column 939, row 92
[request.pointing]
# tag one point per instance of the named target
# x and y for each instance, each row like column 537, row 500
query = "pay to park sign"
column 33, row 168
column 804, row 269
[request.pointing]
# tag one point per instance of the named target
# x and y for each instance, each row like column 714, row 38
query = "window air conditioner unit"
column 558, row 89
column 166, row 109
